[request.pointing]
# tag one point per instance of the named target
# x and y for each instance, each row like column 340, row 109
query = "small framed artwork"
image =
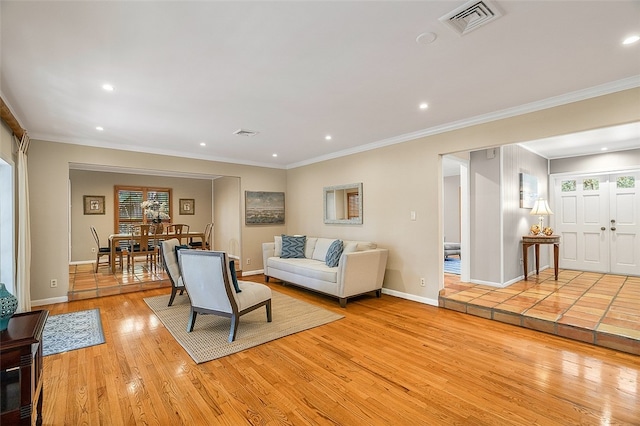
column 528, row 190
column 93, row 204
column 264, row 208
column 187, row 206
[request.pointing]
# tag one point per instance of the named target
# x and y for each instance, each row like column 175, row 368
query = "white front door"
column 624, row 225
column 589, row 209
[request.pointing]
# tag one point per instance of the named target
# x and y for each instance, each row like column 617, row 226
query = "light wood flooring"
column 600, row 309
column 390, row 361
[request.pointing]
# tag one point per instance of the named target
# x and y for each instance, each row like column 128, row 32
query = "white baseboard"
column 412, row 297
column 50, row 301
column 488, row 283
column 256, row 272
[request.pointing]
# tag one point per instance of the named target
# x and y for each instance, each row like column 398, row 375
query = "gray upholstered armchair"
column 170, row 264
column 210, row 284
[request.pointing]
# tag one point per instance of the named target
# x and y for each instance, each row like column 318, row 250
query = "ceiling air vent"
column 242, row 132
column 471, row 16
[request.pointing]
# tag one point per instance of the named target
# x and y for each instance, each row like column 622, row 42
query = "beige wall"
column 84, row 182
column 397, row 179
column 400, row 178
column 451, row 208
column 226, row 232
column 48, row 182
column 606, row 162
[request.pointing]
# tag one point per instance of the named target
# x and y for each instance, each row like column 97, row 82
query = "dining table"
column 115, row 239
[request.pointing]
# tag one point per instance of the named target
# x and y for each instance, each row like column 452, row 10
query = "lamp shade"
column 540, row 208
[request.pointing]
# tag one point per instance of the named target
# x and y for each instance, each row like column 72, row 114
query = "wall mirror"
column 343, row 204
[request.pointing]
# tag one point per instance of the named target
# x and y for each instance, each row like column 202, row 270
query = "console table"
column 21, row 369
column 535, row 240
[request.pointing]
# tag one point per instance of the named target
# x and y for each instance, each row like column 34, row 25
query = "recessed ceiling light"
column 108, row 87
column 203, row 144
column 99, row 128
column 604, row 149
column 424, row 105
column 274, row 155
column 328, row 137
column 426, row 38
column 631, row 40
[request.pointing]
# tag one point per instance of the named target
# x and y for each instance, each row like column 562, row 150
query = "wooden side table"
column 21, row 369
column 531, row 240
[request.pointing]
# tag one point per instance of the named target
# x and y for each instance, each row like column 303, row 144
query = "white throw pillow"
column 322, row 246
column 278, row 248
column 309, row 247
column 349, row 247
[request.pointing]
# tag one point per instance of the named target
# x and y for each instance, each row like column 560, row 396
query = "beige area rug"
column 208, row 340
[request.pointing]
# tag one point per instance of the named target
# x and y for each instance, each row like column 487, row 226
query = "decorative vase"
column 8, row 305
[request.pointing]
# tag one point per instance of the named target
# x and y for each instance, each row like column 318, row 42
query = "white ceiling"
column 190, row 72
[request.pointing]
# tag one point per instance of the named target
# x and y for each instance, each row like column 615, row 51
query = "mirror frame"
column 329, row 189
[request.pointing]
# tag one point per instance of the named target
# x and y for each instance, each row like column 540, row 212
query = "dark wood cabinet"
column 21, row 369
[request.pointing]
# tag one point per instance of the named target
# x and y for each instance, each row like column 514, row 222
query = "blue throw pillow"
column 333, row 254
column 293, row 247
column 234, row 278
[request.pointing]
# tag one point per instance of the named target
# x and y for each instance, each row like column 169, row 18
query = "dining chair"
column 178, row 230
column 104, row 251
column 171, row 267
column 141, row 244
column 205, row 244
column 208, row 279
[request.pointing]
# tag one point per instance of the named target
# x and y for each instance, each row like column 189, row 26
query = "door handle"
column 613, row 228
column 603, row 229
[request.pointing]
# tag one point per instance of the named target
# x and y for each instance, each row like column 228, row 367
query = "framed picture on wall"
column 528, row 190
column 263, row 208
column 187, row 206
column 93, row 204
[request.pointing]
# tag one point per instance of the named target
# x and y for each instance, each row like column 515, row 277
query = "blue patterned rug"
column 452, row 265
column 75, row 330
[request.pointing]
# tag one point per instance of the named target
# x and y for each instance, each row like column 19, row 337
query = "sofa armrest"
column 268, row 250
column 361, row 271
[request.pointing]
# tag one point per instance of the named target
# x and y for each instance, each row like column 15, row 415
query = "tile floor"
column 84, row 283
column 600, row 309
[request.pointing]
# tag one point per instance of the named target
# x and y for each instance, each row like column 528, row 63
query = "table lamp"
column 541, row 208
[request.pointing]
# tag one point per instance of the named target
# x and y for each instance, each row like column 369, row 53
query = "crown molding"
column 579, row 95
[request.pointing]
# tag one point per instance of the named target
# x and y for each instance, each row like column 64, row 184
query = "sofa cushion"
column 278, row 245
column 306, row 267
column 349, row 246
column 334, row 253
column 293, row 247
column 309, row 247
column 322, row 247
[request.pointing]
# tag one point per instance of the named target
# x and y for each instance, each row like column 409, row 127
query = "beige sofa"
column 360, row 270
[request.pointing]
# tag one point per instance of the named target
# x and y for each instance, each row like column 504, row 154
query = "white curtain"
column 23, row 276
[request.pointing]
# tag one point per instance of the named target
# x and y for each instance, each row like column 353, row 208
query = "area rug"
column 452, row 265
column 75, row 330
column 208, row 340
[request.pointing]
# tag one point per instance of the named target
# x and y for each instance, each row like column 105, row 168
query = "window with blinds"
column 353, row 203
column 128, row 200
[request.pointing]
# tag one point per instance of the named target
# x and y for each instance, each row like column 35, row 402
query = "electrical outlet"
column 422, row 282
column 521, row 261
column 248, row 261
column 54, row 283
column 93, row 249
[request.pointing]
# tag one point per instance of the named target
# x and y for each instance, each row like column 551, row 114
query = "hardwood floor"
column 390, row 361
